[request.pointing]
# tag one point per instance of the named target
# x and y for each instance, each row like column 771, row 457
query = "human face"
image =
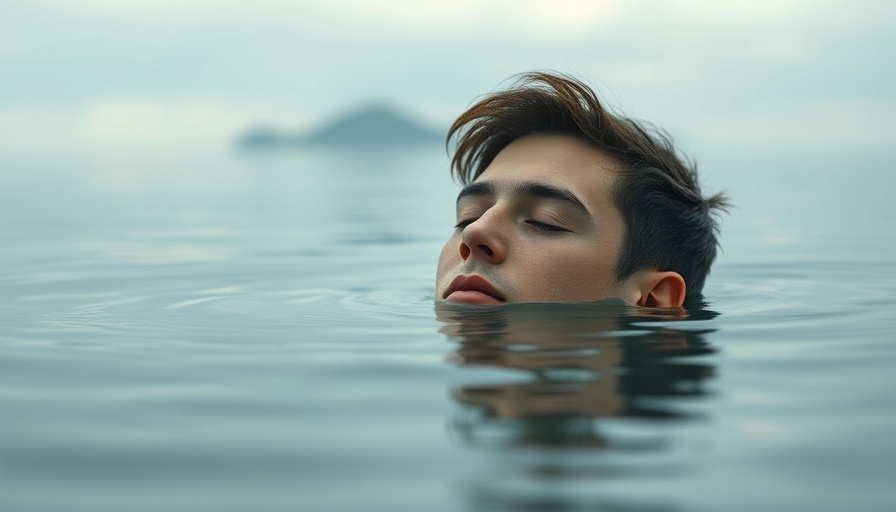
column 538, row 225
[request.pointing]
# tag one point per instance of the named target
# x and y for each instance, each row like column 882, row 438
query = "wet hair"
column 669, row 224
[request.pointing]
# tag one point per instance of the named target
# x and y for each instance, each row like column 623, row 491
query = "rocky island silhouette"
column 374, row 125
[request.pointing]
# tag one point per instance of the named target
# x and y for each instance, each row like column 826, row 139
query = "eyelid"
column 468, row 215
column 464, row 223
column 548, row 219
column 546, row 226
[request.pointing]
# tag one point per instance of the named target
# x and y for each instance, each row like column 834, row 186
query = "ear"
column 662, row 290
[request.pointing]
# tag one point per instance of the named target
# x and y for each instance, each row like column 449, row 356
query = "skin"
column 521, row 231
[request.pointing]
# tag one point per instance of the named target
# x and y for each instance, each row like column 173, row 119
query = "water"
column 222, row 332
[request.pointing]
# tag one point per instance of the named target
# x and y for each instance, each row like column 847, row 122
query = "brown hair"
column 669, row 224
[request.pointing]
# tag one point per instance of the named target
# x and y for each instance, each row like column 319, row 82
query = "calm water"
column 229, row 333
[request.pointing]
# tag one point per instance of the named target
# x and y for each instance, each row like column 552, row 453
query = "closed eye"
column 464, row 223
column 544, row 226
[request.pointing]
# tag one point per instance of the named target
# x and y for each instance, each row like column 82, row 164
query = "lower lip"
column 472, row 297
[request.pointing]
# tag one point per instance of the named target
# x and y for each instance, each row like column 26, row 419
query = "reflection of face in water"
column 584, row 362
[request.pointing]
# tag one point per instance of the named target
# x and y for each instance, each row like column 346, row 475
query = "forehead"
column 559, row 160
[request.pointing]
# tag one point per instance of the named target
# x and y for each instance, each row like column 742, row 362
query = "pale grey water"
column 222, row 332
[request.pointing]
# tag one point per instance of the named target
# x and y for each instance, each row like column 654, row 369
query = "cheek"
column 448, row 258
column 575, row 273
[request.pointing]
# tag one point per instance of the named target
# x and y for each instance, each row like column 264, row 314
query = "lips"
column 473, row 290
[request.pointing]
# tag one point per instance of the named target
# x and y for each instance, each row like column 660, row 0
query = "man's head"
column 566, row 202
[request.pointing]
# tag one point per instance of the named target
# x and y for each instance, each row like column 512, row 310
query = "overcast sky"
column 130, row 74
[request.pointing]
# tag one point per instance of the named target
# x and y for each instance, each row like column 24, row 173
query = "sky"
column 130, row 75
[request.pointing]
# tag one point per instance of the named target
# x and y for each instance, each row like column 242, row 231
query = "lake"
column 215, row 331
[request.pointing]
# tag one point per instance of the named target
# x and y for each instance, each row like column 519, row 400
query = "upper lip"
column 473, row 283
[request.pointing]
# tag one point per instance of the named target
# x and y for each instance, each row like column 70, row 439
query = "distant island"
column 371, row 126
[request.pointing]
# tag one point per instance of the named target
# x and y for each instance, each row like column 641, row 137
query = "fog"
column 101, row 75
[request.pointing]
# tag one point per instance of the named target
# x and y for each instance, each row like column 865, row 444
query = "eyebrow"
column 529, row 189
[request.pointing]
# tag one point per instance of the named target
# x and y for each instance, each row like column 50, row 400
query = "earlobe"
column 662, row 290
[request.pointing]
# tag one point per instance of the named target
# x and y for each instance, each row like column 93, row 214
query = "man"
column 566, row 202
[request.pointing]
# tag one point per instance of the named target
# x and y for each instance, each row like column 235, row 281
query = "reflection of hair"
column 668, row 222
column 587, row 361
column 652, row 374
column 656, row 372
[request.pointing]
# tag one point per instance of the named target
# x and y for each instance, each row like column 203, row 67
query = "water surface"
column 219, row 332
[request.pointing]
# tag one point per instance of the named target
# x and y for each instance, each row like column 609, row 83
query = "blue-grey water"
column 225, row 332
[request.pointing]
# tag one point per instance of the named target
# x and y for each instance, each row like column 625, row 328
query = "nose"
column 484, row 238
